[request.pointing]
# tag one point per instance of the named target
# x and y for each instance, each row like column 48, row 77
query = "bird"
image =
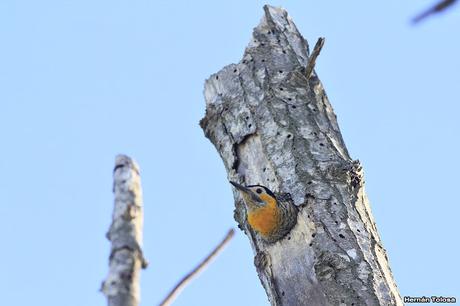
column 271, row 216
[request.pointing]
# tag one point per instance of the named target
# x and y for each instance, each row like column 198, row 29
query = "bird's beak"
column 240, row 187
column 247, row 193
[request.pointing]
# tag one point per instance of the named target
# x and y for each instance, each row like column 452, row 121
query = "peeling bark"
column 121, row 286
column 274, row 126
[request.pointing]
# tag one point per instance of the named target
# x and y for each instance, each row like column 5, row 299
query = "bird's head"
column 255, row 196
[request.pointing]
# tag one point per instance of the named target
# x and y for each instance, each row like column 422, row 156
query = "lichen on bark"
column 274, row 126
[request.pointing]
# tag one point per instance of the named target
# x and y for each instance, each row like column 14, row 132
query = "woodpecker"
column 270, row 216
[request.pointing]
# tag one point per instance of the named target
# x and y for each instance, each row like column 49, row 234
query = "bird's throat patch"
column 265, row 219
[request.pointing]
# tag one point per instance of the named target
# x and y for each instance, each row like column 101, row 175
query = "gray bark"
column 273, row 126
column 121, row 286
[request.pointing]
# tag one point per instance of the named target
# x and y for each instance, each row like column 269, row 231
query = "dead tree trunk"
column 274, row 126
column 121, row 287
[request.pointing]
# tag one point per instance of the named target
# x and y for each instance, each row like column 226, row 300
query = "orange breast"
column 265, row 219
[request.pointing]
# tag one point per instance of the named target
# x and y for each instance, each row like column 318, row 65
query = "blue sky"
column 81, row 81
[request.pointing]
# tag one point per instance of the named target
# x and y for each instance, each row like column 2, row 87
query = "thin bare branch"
column 312, row 60
column 439, row 7
column 186, row 279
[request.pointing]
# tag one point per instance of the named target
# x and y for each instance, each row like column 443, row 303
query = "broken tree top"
column 271, row 122
column 270, row 83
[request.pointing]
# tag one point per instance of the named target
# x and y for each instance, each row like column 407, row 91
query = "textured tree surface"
column 273, row 126
column 121, row 286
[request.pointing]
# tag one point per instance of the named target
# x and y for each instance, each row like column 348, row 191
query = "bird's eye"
column 259, row 191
